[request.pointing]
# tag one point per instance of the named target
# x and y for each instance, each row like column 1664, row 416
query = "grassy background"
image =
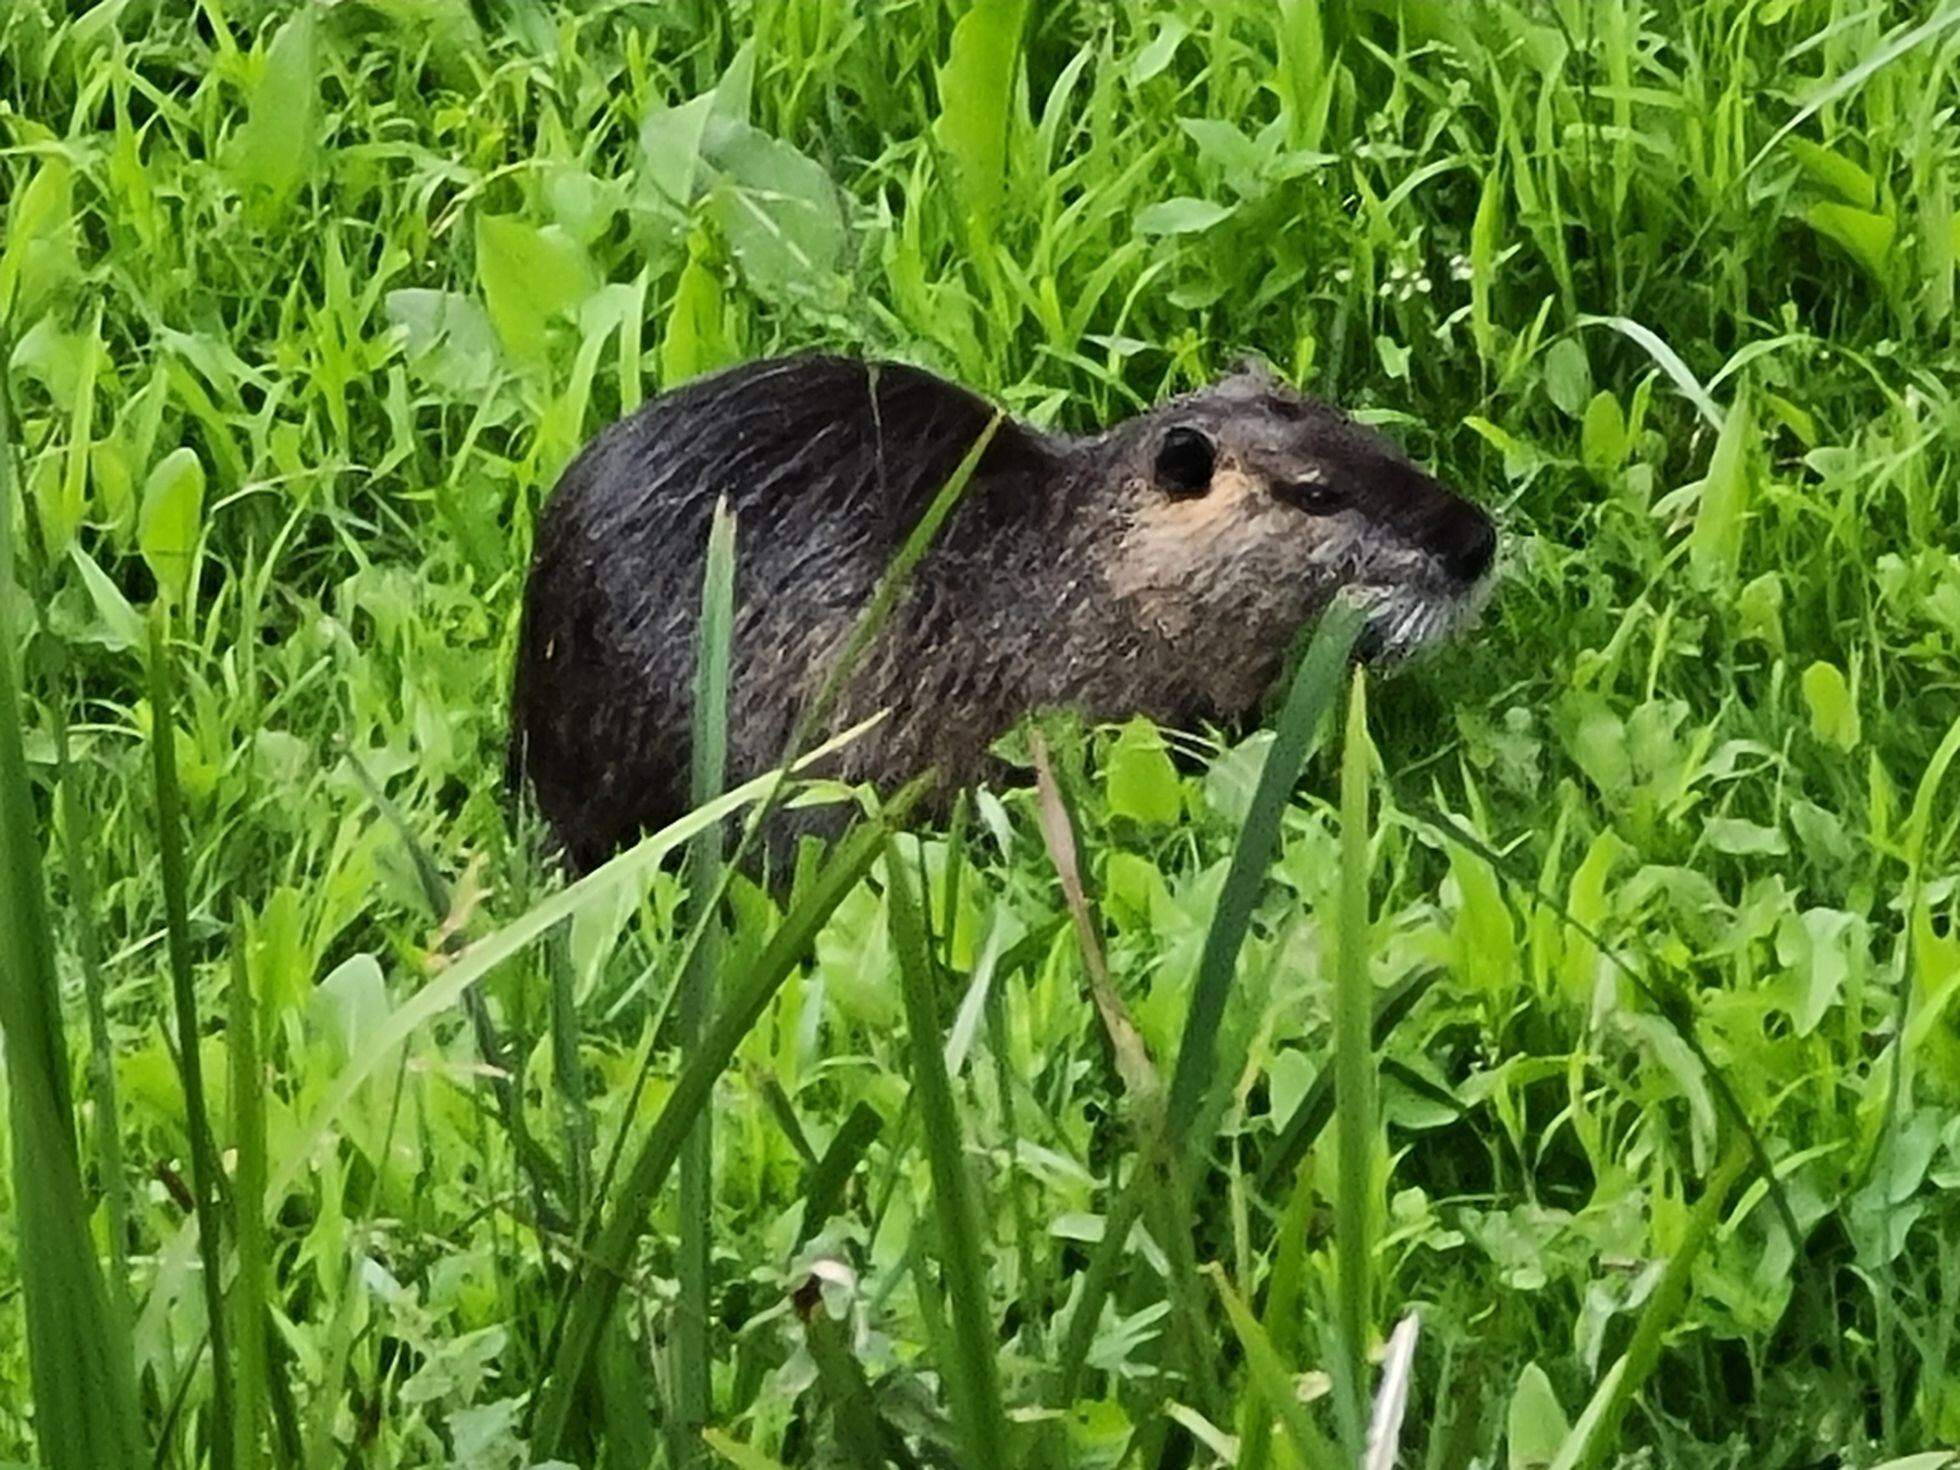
column 303, row 309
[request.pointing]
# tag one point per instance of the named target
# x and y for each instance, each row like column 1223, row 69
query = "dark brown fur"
column 1067, row 575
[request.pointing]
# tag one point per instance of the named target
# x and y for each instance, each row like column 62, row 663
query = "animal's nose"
column 1467, row 544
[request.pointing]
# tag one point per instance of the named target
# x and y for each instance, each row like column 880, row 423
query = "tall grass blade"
column 1307, row 703
column 596, row 1284
column 1274, row 1383
column 973, row 1375
column 251, row 1288
column 1354, row 1087
column 696, row 1001
column 79, row 1355
column 183, row 987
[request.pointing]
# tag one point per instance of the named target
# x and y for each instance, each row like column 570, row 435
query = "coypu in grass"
column 1162, row 567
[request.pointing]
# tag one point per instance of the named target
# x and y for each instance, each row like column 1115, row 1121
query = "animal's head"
column 1247, row 507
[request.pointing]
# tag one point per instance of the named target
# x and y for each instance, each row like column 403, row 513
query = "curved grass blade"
column 1272, row 1381
column 1354, row 1087
column 190, row 1066
column 1307, row 703
column 973, row 1375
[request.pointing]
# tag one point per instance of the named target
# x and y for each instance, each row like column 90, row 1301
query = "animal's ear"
column 1257, row 372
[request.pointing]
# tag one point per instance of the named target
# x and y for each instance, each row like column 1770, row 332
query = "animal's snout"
column 1464, row 541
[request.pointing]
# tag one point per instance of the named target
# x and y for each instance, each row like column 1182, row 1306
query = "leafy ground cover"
column 1649, row 884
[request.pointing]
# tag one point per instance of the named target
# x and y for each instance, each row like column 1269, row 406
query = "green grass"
column 1650, row 880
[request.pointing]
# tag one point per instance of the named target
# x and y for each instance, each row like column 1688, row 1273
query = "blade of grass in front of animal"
column 1282, row 1317
column 79, row 1356
column 1354, row 1086
column 1310, row 697
column 250, row 1289
column 595, row 1282
column 1592, row 1435
column 1273, row 1382
column 972, row 1373
column 183, row 986
column 692, row 1365
column 1126, row 1044
column 1160, row 1195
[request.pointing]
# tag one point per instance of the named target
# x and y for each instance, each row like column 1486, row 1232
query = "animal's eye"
column 1314, row 495
column 1184, row 461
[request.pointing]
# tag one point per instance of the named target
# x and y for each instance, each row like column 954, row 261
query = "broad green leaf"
column 1139, row 778
column 780, row 213
column 1865, row 236
column 1735, row 835
column 1536, row 1425
column 1837, row 173
column 1181, row 216
column 272, row 152
column 671, row 137
column 39, row 253
column 1833, row 712
column 450, row 343
column 1568, row 376
column 529, row 275
column 1820, row 947
column 1603, row 434
column 976, row 91
column 167, row 526
column 122, row 625
column 1715, row 543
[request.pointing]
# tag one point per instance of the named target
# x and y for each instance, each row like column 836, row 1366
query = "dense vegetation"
column 1651, row 881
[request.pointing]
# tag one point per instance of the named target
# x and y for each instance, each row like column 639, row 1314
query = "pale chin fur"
column 1408, row 619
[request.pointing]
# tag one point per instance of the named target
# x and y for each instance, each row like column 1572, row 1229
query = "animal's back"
column 828, row 463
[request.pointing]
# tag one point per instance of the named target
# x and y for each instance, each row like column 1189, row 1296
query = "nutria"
column 1161, row 567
